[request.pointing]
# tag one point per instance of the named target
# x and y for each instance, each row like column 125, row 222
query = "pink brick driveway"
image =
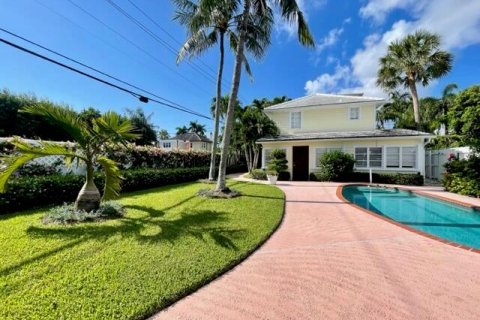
column 329, row 260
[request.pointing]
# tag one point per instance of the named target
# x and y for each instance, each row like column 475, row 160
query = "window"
column 295, row 120
column 204, row 145
column 354, row 113
column 167, row 144
column 368, row 157
column 320, row 151
column 409, row 157
column 393, row 157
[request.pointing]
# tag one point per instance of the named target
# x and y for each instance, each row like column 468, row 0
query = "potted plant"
column 277, row 163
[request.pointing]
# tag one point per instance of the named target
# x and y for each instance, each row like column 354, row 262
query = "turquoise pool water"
column 440, row 218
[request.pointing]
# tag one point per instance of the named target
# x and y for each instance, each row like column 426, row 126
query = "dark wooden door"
column 300, row 164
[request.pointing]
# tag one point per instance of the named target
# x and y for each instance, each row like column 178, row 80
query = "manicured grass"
column 169, row 243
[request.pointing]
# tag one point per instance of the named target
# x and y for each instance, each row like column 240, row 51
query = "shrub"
column 67, row 214
column 278, row 162
column 335, row 166
column 284, row 176
column 463, row 176
column 409, row 179
column 258, row 174
column 31, row 192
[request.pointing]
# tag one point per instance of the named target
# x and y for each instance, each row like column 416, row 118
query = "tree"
column 417, row 58
column 90, row 141
column 181, row 130
column 207, row 23
column 448, row 95
column 163, row 134
column 143, row 127
column 89, row 114
column 255, row 16
column 464, row 116
column 197, row 128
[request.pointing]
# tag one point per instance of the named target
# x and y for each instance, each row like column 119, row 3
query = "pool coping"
column 398, row 224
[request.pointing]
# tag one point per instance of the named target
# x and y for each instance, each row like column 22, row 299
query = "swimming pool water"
column 440, row 218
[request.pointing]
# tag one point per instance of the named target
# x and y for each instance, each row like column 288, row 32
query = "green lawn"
column 169, row 243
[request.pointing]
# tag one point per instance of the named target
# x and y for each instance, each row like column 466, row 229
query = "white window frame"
column 290, row 119
column 164, row 145
column 349, row 115
column 382, row 164
column 327, row 149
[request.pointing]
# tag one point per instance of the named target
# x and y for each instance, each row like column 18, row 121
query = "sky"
column 350, row 38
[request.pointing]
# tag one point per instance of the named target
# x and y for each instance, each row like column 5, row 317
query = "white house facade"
column 319, row 123
column 187, row 141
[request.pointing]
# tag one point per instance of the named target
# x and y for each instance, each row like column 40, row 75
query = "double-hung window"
column 319, row 152
column 167, row 145
column 295, row 120
column 354, row 113
column 368, row 157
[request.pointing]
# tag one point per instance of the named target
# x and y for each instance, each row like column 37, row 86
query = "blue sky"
column 350, row 36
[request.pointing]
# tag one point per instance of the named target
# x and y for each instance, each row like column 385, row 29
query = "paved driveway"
column 329, row 260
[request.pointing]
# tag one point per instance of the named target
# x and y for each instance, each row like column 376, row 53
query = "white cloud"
column 379, row 9
column 330, row 39
column 329, row 82
column 457, row 22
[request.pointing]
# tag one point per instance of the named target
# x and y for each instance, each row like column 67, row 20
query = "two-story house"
column 319, row 123
column 187, row 141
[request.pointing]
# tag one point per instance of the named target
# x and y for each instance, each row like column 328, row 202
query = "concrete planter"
column 272, row 179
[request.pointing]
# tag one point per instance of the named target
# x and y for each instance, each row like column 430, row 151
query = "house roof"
column 345, row 135
column 191, row 136
column 321, row 99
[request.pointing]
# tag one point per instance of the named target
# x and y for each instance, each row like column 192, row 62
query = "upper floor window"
column 167, row 144
column 295, row 120
column 354, row 113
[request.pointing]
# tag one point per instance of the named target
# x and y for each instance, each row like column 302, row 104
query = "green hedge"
column 32, row 192
column 409, row 179
column 261, row 174
column 463, row 176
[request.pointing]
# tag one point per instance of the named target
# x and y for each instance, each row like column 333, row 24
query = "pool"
column 436, row 217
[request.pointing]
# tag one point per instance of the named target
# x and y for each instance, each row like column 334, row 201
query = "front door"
column 300, row 164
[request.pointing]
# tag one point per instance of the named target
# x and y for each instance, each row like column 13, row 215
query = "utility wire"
column 92, row 68
column 160, row 40
column 139, row 48
column 135, row 94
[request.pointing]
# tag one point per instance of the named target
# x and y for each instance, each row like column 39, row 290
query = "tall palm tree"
column 254, row 16
column 208, row 23
column 417, row 58
column 448, row 95
column 198, row 128
column 90, row 138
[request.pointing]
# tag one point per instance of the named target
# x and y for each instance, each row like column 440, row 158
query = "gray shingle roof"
column 345, row 135
column 320, row 99
column 191, row 136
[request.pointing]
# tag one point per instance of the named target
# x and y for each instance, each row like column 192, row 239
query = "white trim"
column 344, row 139
column 368, row 157
column 416, row 168
column 290, row 119
column 359, row 112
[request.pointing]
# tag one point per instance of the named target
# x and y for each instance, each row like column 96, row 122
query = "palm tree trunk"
column 416, row 108
column 237, row 72
column 88, row 198
column 216, row 118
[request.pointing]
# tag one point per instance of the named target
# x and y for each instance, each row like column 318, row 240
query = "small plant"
column 67, row 213
column 335, row 166
column 258, row 174
column 278, row 162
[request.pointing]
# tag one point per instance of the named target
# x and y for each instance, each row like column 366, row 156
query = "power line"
column 159, row 40
column 91, row 68
column 194, row 84
column 135, row 94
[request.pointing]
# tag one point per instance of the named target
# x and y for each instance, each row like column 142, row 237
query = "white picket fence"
column 435, row 160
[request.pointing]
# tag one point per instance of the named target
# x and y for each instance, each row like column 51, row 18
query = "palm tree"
column 448, row 95
column 90, row 136
column 208, row 22
column 415, row 58
column 255, row 16
column 198, row 128
column 163, row 134
column 181, row 130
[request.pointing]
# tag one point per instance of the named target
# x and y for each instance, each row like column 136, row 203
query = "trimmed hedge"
column 463, row 176
column 32, row 192
column 409, row 179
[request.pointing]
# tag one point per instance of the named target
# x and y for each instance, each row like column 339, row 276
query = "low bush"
column 32, row 192
column 463, row 176
column 409, row 179
column 284, row 176
column 258, row 174
column 67, row 214
column 335, row 166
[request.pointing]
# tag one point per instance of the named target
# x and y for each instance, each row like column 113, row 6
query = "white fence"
column 435, row 159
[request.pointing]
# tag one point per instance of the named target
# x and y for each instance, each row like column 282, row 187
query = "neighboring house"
column 319, row 123
column 187, row 141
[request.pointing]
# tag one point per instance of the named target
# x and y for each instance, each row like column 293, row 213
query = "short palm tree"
column 198, row 128
column 181, row 130
column 254, row 16
column 417, row 58
column 208, row 23
column 90, row 140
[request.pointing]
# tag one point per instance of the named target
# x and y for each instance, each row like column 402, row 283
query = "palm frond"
column 12, row 164
column 113, row 178
column 113, row 128
column 65, row 118
column 197, row 44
